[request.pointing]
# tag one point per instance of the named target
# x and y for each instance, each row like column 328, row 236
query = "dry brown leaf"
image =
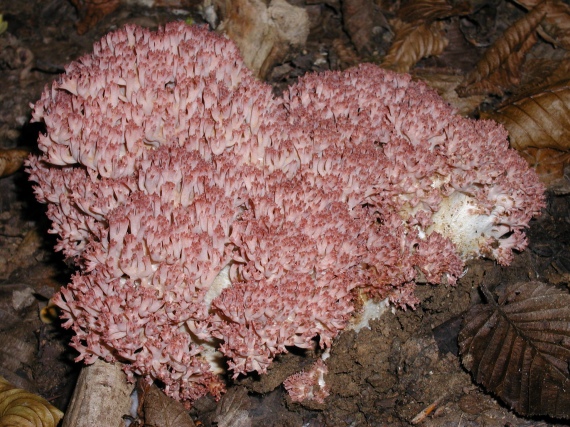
column 163, row 411
column 550, row 165
column 412, row 43
column 19, row 408
column 430, row 10
column 556, row 25
column 347, row 56
column 500, row 67
column 11, row 160
column 232, row 411
column 445, row 85
column 519, row 347
column 541, row 120
column 540, row 73
column 361, row 19
column 539, row 127
column 92, row 11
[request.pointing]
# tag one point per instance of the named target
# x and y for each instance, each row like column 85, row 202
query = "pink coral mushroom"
column 215, row 223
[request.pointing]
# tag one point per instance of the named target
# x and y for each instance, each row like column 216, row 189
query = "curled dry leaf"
column 92, row 11
column 11, row 160
column 519, row 347
column 539, row 127
column 500, row 67
column 19, row 408
column 555, row 27
column 413, row 42
column 430, row 10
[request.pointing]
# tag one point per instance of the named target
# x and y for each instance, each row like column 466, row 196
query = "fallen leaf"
column 92, row 11
column 541, row 120
column 445, row 85
column 556, row 25
column 232, row 411
column 12, row 159
column 19, row 408
column 362, row 20
column 500, row 67
column 413, row 42
column 163, row 411
column 518, row 348
column 347, row 56
column 550, row 165
column 430, row 10
column 3, row 24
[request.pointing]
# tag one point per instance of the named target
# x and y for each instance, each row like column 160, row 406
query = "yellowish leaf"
column 11, row 160
column 19, row 408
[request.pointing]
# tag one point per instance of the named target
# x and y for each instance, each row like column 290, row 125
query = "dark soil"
column 406, row 363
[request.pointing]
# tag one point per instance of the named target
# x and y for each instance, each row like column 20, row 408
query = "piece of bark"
column 101, row 397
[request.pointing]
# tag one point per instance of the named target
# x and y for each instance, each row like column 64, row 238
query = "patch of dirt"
column 402, row 371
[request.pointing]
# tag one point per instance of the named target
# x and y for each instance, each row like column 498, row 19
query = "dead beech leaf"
column 539, row 128
column 19, row 408
column 519, row 347
column 541, row 120
column 163, row 411
column 12, row 159
column 556, row 25
column 430, row 10
column 550, row 166
column 347, row 56
column 92, row 11
column 360, row 19
column 232, row 411
column 445, row 85
column 413, row 42
column 500, row 67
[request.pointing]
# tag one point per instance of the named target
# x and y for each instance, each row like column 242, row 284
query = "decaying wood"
column 101, row 397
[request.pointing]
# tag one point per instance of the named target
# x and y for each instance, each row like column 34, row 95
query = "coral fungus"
column 215, row 223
